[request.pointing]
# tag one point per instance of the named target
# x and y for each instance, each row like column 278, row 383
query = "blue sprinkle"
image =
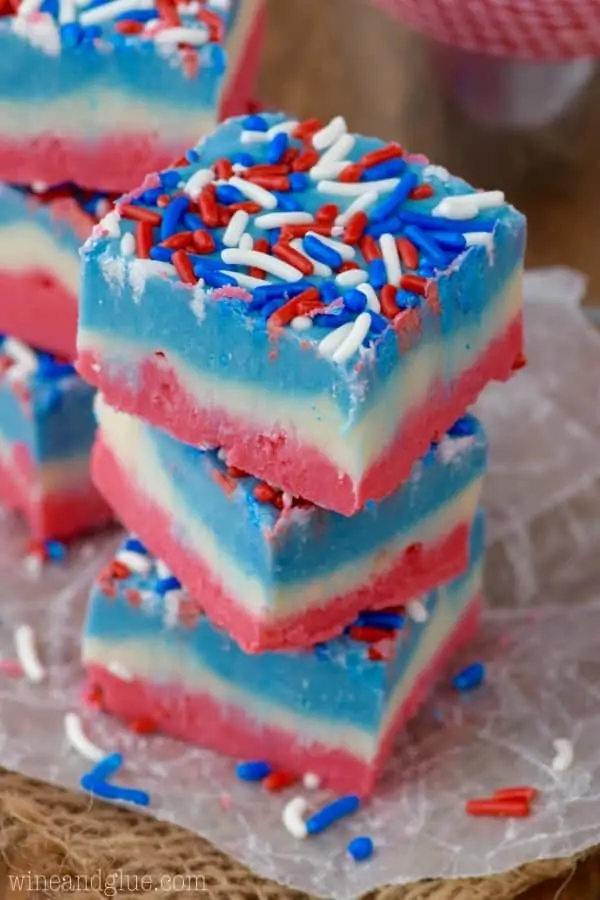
column 469, row 678
column 272, row 306
column 266, row 292
column 205, row 262
column 71, row 34
column 355, row 301
column 112, row 792
column 378, row 323
column 449, row 241
column 254, row 770
column 275, row 235
column 149, row 197
column 333, row 320
column 321, row 252
column 214, row 278
column 397, row 197
column 391, row 168
column 299, row 181
column 136, row 15
column 217, row 58
column 161, row 254
column 170, row 178
column 242, row 159
column 228, row 194
column 55, row 550
column 377, row 274
column 463, row 427
column 331, row 813
column 276, row 147
column 329, row 292
column 192, row 156
column 51, row 7
column 255, row 123
column 321, row 651
column 406, row 300
column 286, row 202
column 360, row 848
column 50, row 400
column 49, row 368
column 380, row 619
column 135, row 546
column 167, row 584
column 172, row 215
column 106, row 767
column 437, row 223
column 193, row 222
column 376, row 229
column 427, row 244
column 91, row 32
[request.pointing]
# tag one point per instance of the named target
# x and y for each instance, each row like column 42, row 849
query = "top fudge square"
column 320, row 305
column 98, row 92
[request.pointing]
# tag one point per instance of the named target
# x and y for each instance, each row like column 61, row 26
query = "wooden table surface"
column 326, row 57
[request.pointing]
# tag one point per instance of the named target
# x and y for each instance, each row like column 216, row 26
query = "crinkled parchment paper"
column 539, row 642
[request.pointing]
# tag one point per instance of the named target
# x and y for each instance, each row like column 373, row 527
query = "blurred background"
column 530, row 128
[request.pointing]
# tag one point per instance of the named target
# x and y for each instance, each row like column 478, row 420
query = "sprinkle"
column 391, row 260
column 389, row 305
column 254, row 770
column 351, row 343
column 362, row 203
column 516, row 793
column 301, row 323
column 331, row 133
column 311, row 781
column 414, row 284
column 106, row 767
column 128, row 244
column 195, row 37
column 336, row 153
column 417, row 611
column 233, row 256
column 479, row 238
column 254, row 192
column 283, row 128
column 377, row 273
column 107, row 791
column 288, row 254
column 332, row 813
column 360, row 848
column 184, row 267
column 256, row 123
column 408, row 253
column 198, row 181
column 356, row 189
column 381, row 619
column 137, row 562
column 277, row 147
column 55, row 550
column 143, row 239
column 347, row 253
column 397, row 197
column 138, row 214
column 236, row 228
column 24, row 640
column 469, row 678
column 280, row 219
column 491, row 806
column 375, row 157
column 278, row 781
column 254, row 137
column 319, row 268
column 319, row 250
column 456, row 208
column 427, row 244
column 293, row 817
column 334, row 340
column 79, row 741
column 564, row 755
column 351, row 278
column 107, row 11
column 373, row 303
column 246, row 281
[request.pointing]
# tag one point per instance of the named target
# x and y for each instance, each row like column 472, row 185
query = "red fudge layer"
column 40, row 310
column 157, row 396
column 199, row 719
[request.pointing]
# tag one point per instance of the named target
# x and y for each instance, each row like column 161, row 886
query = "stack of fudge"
column 92, row 93
column 286, row 330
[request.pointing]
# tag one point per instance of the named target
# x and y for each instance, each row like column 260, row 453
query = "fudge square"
column 153, row 657
column 273, row 571
column 318, row 304
column 47, row 428
column 99, row 92
column 40, row 236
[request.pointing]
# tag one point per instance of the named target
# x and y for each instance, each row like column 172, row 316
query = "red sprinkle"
column 369, row 248
column 118, row 570
column 178, row 241
column 327, row 214
column 421, row 192
column 215, row 24
column 355, row 227
column 259, row 171
column 140, row 214
column 184, row 267
column 234, row 472
column 164, row 200
column 261, row 245
column 133, row 597
column 207, row 206
column 203, row 241
column 351, row 173
column 227, row 482
column 290, row 155
column 246, row 205
column 144, row 725
column 517, row 793
column 128, row 26
column 298, row 306
column 306, row 129
column 491, row 806
column 264, row 493
column 387, row 298
column 289, row 232
column 94, row 695
column 408, row 253
column 270, row 182
column 414, row 283
column 347, row 265
column 278, row 781
column 368, row 634
column 291, row 256
column 223, row 169
column 520, row 362
column 374, row 157
column 168, row 13
column 305, row 161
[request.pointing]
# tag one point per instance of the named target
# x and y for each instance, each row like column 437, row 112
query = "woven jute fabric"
column 47, row 831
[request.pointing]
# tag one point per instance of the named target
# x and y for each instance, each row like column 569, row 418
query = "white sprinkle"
column 66, row 12
column 489, row 199
column 233, row 256
column 360, row 204
column 236, row 228
column 162, row 570
column 27, row 653
column 311, row 781
column 254, row 192
column 373, row 303
column 328, row 171
column 172, row 601
column 282, row 128
column 110, row 224
column 564, row 755
column 246, row 242
column 348, row 347
column 456, row 208
column 109, row 11
column 301, row 323
column 391, row 260
column 194, row 185
column 339, row 150
column 328, row 135
column 38, row 187
column 128, row 244
column 247, row 281
column 293, row 817
column 334, row 339
column 27, row 7
column 319, row 268
column 438, row 172
column 255, row 137
column 79, row 740
column 23, row 356
column 345, row 250
column 136, row 562
column 238, row 168
column 119, row 671
column 195, row 37
column 417, row 611
column 356, row 188
column 33, row 565
column 279, row 219
column 479, row 238
column 352, row 277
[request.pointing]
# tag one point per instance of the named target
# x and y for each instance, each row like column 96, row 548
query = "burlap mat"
column 319, row 61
